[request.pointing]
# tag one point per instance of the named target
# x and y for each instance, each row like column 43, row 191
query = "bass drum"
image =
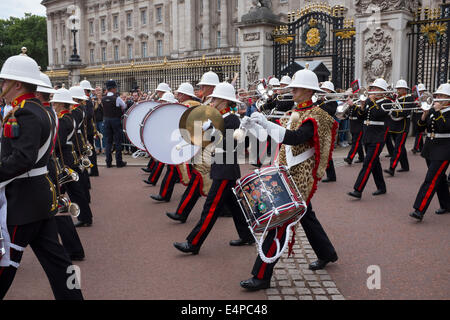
column 133, row 119
column 162, row 137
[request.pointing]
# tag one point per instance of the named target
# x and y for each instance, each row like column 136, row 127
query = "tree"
column 29, row 32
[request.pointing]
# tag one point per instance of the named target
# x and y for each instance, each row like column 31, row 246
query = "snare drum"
column 269, row 198
column 133, row 119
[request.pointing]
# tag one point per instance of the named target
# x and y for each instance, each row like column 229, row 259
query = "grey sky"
column 17, row 8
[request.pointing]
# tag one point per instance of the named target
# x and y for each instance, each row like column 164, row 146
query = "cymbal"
column 193, row 120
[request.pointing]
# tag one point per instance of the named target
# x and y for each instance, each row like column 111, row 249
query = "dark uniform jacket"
column 221, row 170
column 437, row 122
column 65, row 130
column 356, row 123
column 373, row 115
column 283, row 106
column 110, row 109
column 89, row 118
column 328, row 106
column 78, row 114
column 399, row 121
column 29, row 199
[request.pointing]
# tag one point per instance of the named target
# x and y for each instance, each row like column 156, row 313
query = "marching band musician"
column 330, row 107
column 156, row 167
column 436, row 152
column 200, row 181
column 274, row 103
column 356, row 130
column 28, row 197
column 416, row 115
column 224, row 176
column 374, row 136
column 399, row 124
column 90, row 128
column 309, row 132
column 62, row 101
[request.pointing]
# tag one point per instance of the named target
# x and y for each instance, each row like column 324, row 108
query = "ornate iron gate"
column 317, row 31
column 429, row 47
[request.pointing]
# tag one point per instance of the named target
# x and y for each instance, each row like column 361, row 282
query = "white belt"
column 295, row 160
column 353, row 118
column 69, row 143
column 398, row 119
column 34, row 173
column 438, row 135
column 374, row 123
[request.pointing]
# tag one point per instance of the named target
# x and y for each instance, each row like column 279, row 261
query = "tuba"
column 65, row 206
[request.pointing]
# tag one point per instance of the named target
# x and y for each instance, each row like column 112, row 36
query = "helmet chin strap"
column 8, row 89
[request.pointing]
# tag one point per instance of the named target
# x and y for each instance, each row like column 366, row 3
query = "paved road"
column 130, row 253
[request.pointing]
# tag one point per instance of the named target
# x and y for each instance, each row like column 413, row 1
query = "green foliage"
column 30, row 32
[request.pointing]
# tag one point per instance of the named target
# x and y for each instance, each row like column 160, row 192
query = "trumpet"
column 66, row 206
column 366, row 93
column 285, row 98
column 333, row 96
column 85, row 163
column 67, row 175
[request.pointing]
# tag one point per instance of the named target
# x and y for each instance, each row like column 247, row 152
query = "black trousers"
column 400, row 154
column 435, row 182
column 69, row 236
column 93, row 158
column 190, row 196
column 168, row 182
column 113, row 134
column 156, row 172
column 418, row 142
column 315, row 233
column 371, row 165
column 221, row 192
column 356, row 147
column 389, row 143
column 77, row 194
column 331, row 172
column 42, row 236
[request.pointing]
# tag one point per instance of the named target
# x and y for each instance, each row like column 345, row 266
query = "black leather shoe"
column 254, row 284
column 95, row 174
column 389, row 171
column 349, row 161
column 81, row 224
column 186, row 247
column 359, row 161
column 329, row 180
column 241, row 242
column 146, row 170
column 442, row 211
column 416, row 215
column 150, row 183
column 403, row 170
column 122, row 164
column 388, row 156
column 320, row 264
column 414, row 151
column 159, row 198
column 355, row 194
column 109, row 165
column 175, row 217
column 379, row 192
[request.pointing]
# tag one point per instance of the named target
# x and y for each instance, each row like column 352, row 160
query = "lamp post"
column 74, row 57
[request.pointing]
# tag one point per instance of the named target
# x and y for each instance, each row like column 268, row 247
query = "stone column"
column 206, row 30
column 382, row 41
column 256, row 44
column 175, row 28
column 188, row 25
column 51, row 62
column 224, row 23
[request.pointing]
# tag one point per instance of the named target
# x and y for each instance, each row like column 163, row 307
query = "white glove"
column 260, row 119
column 276, row 132
column 206, row 125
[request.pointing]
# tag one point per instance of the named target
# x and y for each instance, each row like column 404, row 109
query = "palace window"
column 159, row 14
column 144, row 53
column 130, row 51
column 115, row 22
column 159, row 48
column 103, row 54
column 91, row 56
column 144, row 17
column 116, row 53
column 129, row 21
column 103, row 24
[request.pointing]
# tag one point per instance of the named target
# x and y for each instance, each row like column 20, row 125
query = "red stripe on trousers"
column 211, row 212
column 418, row 141
column 431, row 188
column 156, row 172
column 271, row 251
column 189, row 196
column 399, row 151
column 169, row 178
column 356, row 146
column 369, row 168
column 152, row 165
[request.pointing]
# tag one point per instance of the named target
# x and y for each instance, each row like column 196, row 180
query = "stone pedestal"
column 382, row 46
column 75, row 72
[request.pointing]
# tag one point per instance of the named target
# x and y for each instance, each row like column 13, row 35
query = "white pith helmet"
column 286, row 80
column 225, row 91
column 381, row 84
column 22, row 68
column 305, row 79
column 63, row 96
column 328, row 85
column 163, row 87
column 401, row 84
column 209, row 79
column 86, row 85
column 274, row 82
column 169, row 97
column 186, row 88
column 77, row 92
column 48, row 88
column 443, row 89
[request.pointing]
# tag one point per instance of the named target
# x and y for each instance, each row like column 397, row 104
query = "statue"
column 261, row 11
column 263, row 3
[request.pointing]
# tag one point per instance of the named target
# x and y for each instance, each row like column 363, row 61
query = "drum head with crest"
column 133, row 119
column 162, row 137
